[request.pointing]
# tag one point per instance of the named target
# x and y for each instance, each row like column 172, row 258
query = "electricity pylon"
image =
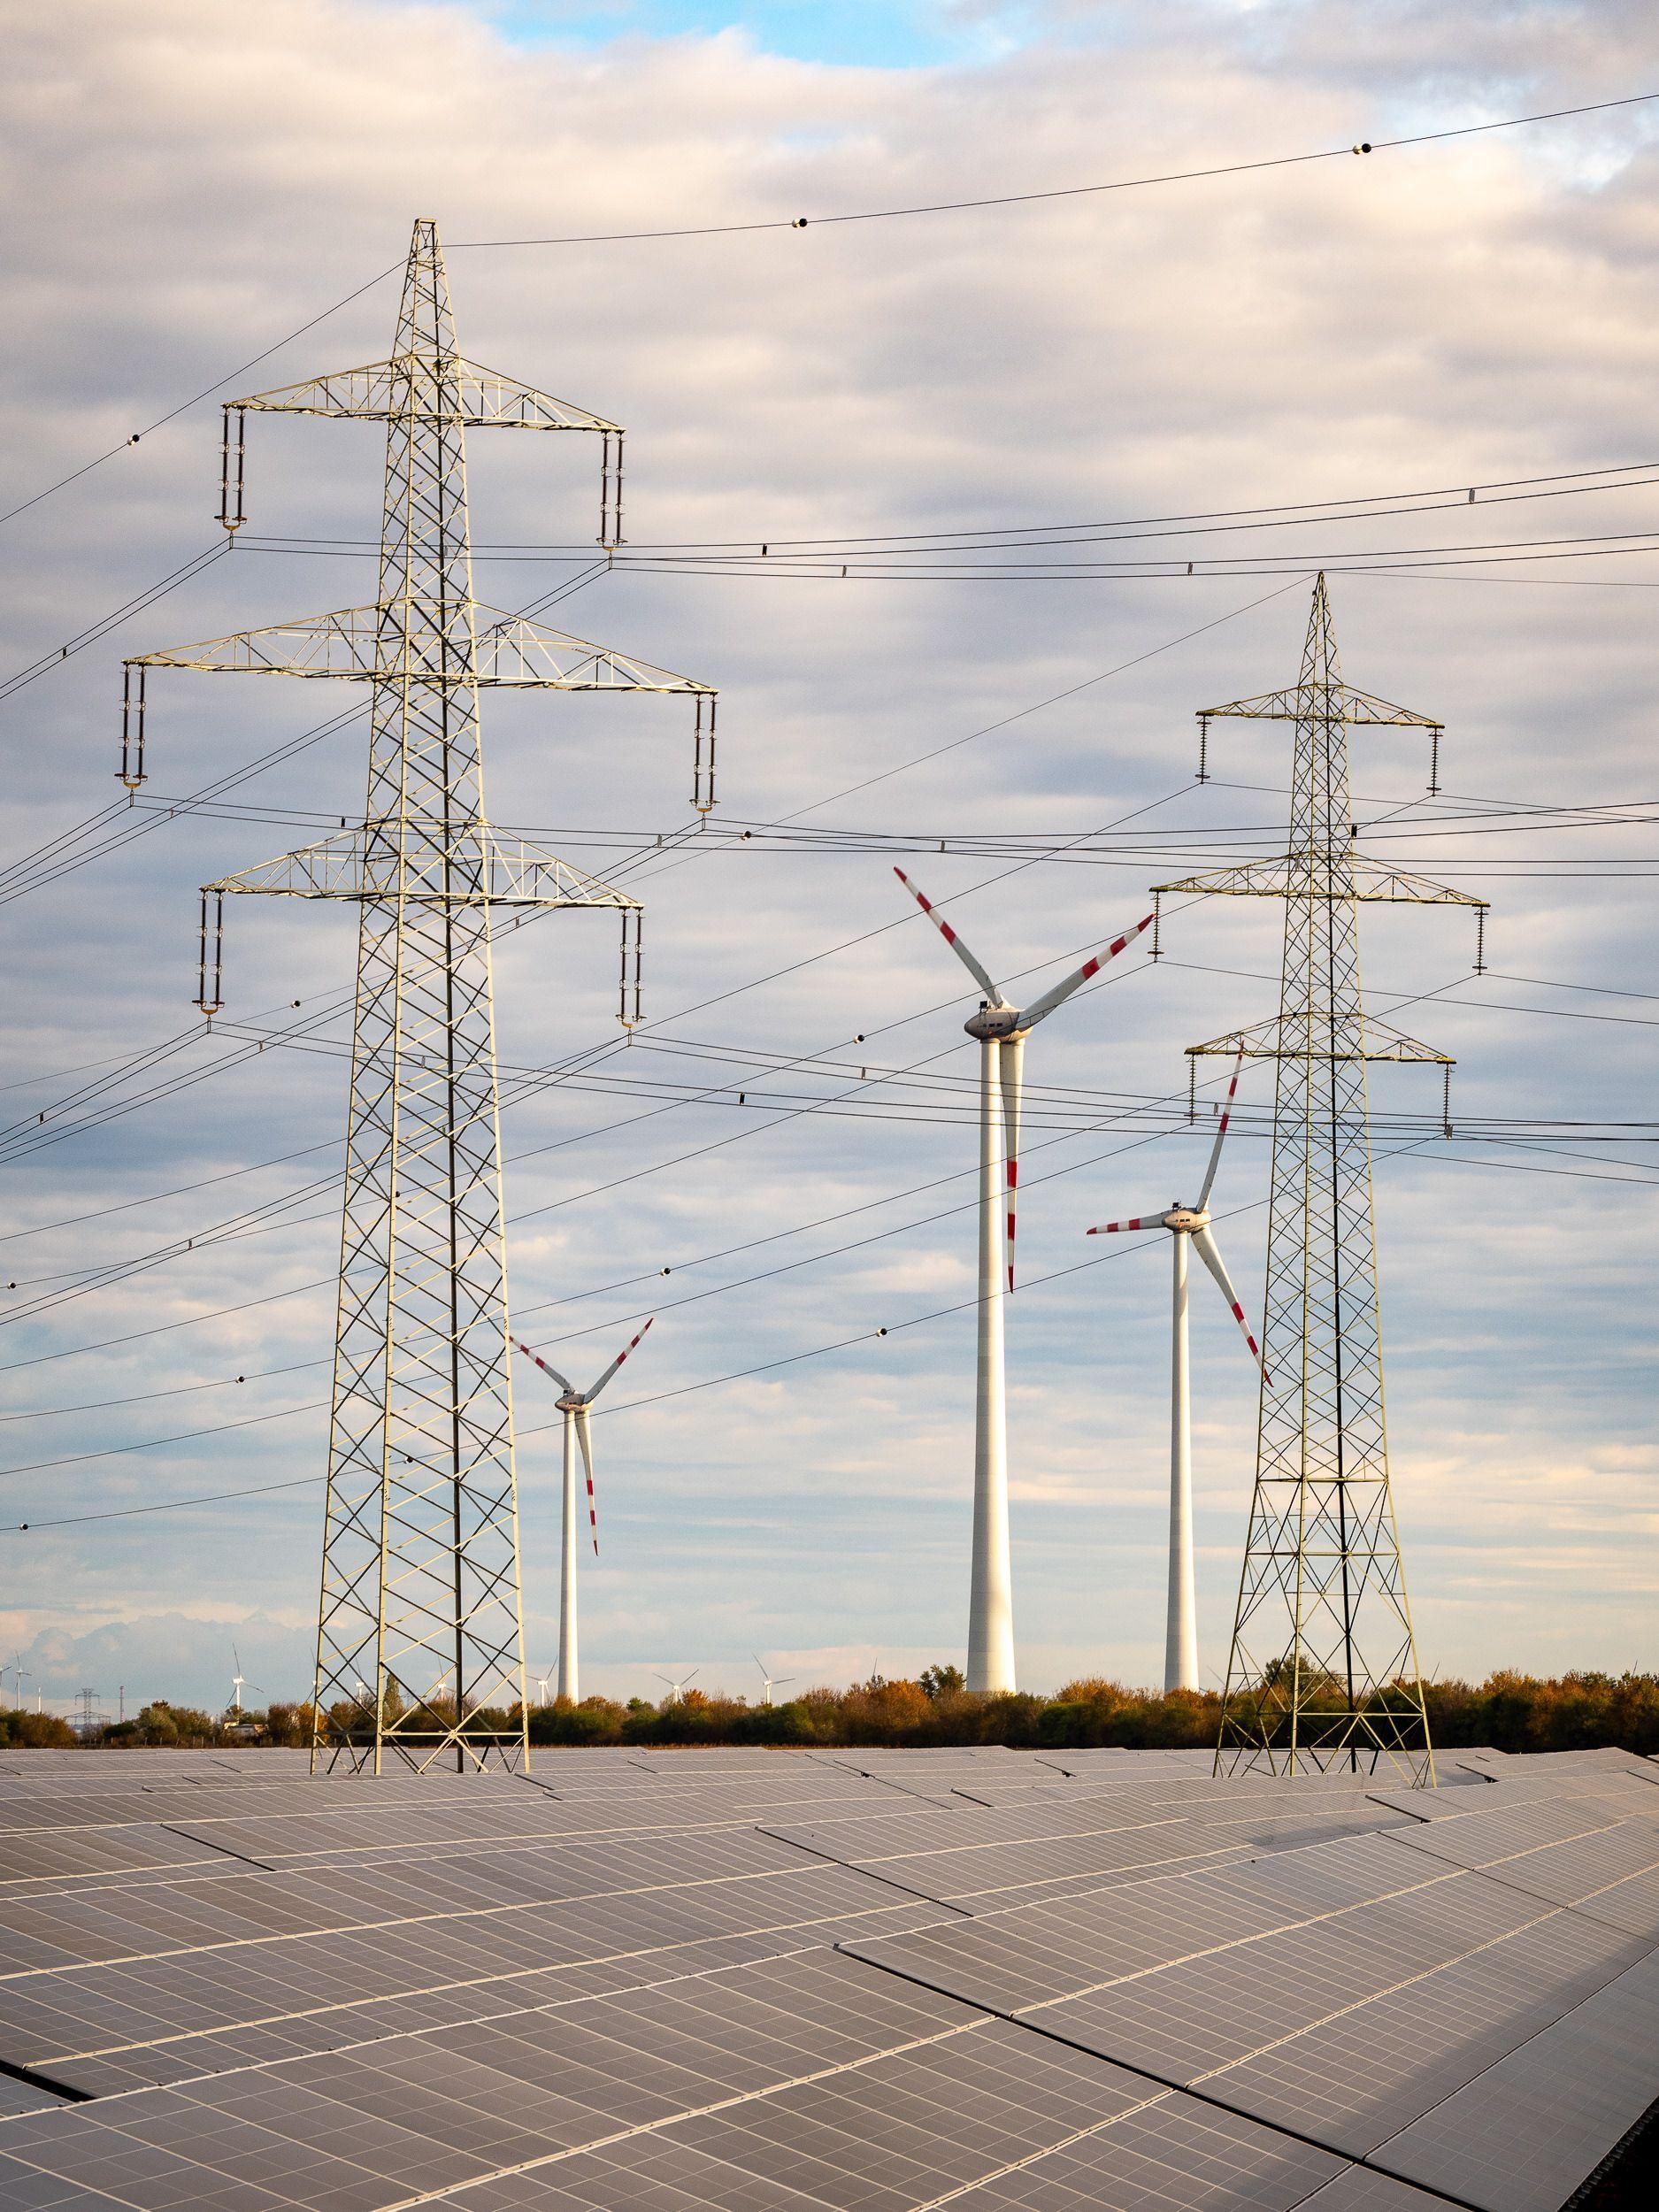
column 420, row 1578
column 1323, row 1671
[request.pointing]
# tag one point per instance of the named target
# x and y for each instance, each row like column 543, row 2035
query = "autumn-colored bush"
column 1510, row 1711
column 36, row 1732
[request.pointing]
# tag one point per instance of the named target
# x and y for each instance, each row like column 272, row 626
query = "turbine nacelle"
column 1191, row 1218
column 1002, row 1022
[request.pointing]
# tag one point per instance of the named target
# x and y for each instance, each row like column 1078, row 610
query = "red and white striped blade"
column 1215, row 1153
column 1010, row 1066
column 542, row 1364
column 1113, row 1228
column 584, row 1437
column 951, row 937
column 1045, row 1005
column 1205, row 1247
column 615, row 1363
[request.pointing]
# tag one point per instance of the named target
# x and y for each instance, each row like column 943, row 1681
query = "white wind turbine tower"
column 677, row 1689
column 236, row 1681
column 1187, row 1225
column 577, row 1431
column 769, row 1682
column 1001, row 1030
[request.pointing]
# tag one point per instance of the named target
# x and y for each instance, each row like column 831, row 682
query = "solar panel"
column 1353, row 2080
column 1128, row 2155
column 417, row 2112
column 163, row 2016
column 1609, row 1870
column 1361, row 2189
column 1522, row 2136
column 615, row 1984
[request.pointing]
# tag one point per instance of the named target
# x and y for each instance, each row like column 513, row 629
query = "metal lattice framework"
column 1323, row 1670
column 420, row 1620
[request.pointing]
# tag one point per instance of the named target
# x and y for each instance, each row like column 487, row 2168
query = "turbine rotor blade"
column 1138, row 1221
column 563, row 1382
column 1205, row 1245
column 1215, row 1155
column 615, row 1363
column 953, row 940
column 1042, row 1008
column 1010, row 1064
column 584, row 1437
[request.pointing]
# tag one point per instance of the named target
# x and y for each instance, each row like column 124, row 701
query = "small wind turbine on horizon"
column 573, row 1405
column 236, row 1681
column 1187, row 1225
column 1001, row 1030
column 677, row 1689
column 769, row 1682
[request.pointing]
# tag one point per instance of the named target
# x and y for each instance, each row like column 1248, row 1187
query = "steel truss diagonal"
column 1323, row 1671
column 419, row 1640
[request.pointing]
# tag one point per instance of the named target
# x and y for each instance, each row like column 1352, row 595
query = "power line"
column 867, row 215
column 1363, row 507
column 863, row 1336
column 184, row 574
column 1064, row 192
column 340, row 721
column 196, row 399
column 1026, row 862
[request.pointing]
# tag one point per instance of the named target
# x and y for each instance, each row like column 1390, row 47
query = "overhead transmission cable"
column 800, row 223
column 1064, row 192
column 862, row 1336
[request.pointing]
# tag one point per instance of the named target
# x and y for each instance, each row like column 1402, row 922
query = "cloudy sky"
column 189, row 182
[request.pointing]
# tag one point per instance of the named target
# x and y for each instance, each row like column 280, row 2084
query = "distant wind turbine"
column 1187, row 1225
column 677, row 1689
column 236, row 1681
column 1001, row 1030
column 577, row 1431
column 769, row 1682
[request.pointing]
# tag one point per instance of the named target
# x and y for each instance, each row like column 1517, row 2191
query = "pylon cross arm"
column 369, row 643
column 343, row 643
column 517, row 654
column 353, row 865
column 1269, row 1040
column 431, row 389
column 1335, row 699
column 1295, row 876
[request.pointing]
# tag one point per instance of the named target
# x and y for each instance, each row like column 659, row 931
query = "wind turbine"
column 578, row 1430
column 769, row 1682
column 1187, row 1225
column 677, row 1690
column 1001, row 1030
column 236, row 1682
column 542, row 1681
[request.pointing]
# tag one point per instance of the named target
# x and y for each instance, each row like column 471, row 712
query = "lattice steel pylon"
column 1323, row 1671
column 420, row 1620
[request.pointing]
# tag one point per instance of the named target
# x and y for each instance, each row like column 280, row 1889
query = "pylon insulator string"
column 131, row 772
column 211, row 960
column 232, row 468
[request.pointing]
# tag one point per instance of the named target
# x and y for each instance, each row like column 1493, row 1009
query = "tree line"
column 1510, row 1711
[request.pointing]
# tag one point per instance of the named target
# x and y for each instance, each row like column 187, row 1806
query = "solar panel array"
column 768, row 1981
